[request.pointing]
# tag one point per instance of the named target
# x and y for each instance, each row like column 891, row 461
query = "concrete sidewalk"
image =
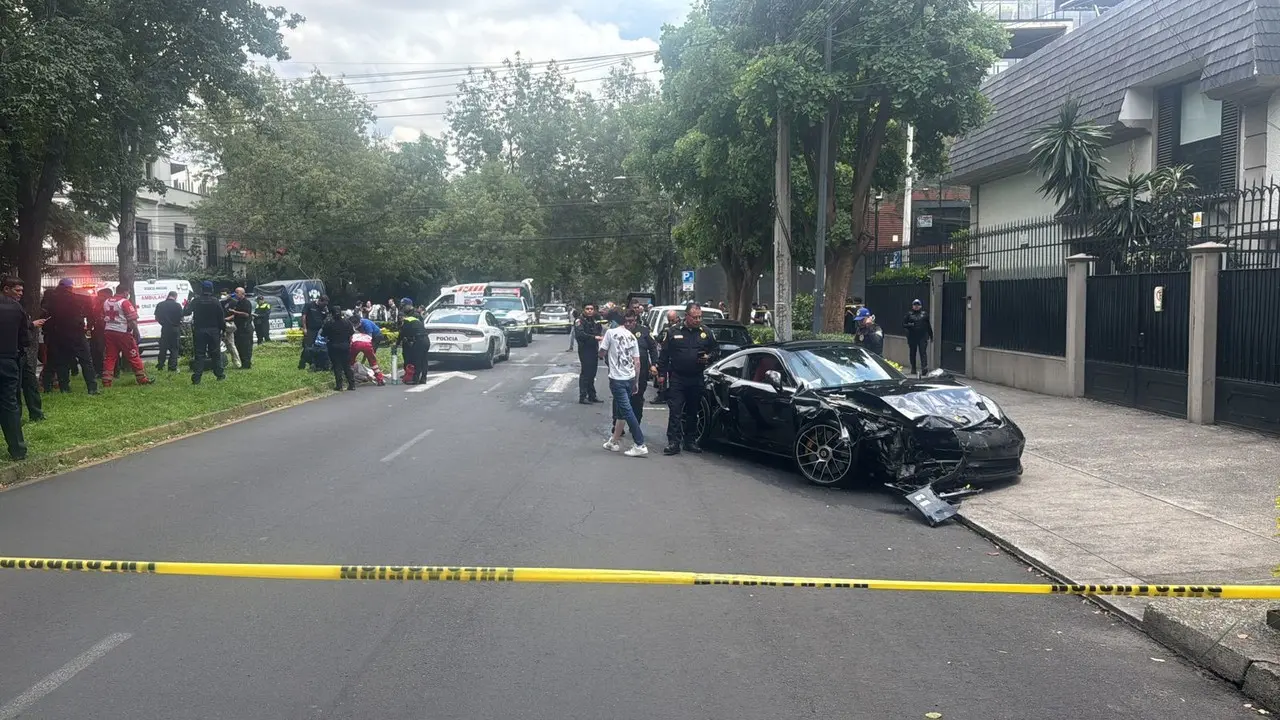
column 1118, row 496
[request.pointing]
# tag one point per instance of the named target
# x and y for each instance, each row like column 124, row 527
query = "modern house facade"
column 1175, row 312
column 1175, row 82
column 167, row 239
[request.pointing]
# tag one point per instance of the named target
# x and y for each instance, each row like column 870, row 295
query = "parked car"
column 657, row 317
column 730, row 335
column 514, row 316
column 280, row 318
column 844, row 414
column 466, row 332
column 555, row 317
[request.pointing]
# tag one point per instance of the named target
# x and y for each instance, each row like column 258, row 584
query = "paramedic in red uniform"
column 120, row 321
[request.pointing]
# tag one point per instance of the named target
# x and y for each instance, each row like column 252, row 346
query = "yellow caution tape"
column 441, row 573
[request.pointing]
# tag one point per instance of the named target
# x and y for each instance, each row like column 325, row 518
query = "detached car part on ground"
column 844, row 415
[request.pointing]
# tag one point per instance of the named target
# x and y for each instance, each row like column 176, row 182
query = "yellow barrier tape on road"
column 441, row 573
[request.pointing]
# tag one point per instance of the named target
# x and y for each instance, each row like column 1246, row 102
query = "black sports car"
column 844, row 414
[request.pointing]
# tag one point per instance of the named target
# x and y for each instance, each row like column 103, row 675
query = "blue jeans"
column 621, row 390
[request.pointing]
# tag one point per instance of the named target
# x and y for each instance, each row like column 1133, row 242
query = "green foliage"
column 802, row 309
column 316, row 198
column 1067, row 152
column 917, row 273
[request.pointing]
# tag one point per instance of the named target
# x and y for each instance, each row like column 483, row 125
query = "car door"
column 720, row 398
column 765, row 415
column 492, row 330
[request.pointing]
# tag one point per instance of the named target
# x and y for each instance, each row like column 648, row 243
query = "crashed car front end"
column 934, row 444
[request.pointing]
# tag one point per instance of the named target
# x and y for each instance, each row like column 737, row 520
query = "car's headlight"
column 992, row 407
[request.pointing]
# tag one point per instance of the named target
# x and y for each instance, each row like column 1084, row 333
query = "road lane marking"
column 560, row 383
column 396, row 453
column 437, row 379
column 495, row 387
column 54, row 680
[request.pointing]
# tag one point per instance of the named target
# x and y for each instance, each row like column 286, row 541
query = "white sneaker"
column 637, row 451
column 611, row 446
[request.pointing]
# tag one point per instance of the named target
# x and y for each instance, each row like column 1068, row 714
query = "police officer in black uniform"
column 14, row 329
column 208, row 320
column 587, row 332
column 262, row 319
column 686, row 351
column 414, row 340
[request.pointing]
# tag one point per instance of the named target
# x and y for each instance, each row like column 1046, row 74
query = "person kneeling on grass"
column 622, row 352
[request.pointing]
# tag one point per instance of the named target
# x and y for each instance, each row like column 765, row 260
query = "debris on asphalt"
column 1157, row 659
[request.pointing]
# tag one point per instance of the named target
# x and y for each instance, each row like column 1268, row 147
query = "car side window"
column 760, row 363
column 490, row 320
column 733, row 368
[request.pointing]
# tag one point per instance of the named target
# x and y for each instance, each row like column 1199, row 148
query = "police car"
column 466, row 332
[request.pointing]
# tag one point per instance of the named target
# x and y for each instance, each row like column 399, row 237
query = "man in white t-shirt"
column 622, row 353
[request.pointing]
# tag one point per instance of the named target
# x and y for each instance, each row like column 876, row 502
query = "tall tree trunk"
column 746, row 291
column 840, row 272
column 128, row 199
column 35, row 200
column 735, row 277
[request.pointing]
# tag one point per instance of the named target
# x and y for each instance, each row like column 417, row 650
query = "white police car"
column 466, row 332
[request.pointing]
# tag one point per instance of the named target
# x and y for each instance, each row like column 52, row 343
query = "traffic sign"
column 686, row 281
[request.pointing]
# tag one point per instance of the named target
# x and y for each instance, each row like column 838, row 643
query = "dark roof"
column 1142, row 43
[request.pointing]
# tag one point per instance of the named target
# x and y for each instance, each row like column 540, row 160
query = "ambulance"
column 510, row 302
column 147, row 294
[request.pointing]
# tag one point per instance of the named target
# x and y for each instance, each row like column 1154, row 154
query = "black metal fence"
column 891, row 301
column 1025, row 315
column 1249, row 325
column 1153, row 237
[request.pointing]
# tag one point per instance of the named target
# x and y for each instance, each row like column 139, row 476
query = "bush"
column 802, row 307
column 916, row 273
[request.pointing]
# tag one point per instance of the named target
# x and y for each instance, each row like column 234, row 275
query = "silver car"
column 555, row 317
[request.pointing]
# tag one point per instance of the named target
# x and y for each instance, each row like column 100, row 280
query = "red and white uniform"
column 362, row 343
column 117, row 313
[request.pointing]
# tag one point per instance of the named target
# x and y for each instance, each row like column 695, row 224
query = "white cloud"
column 398, row 36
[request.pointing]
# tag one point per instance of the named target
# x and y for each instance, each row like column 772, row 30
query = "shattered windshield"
column 839, row 365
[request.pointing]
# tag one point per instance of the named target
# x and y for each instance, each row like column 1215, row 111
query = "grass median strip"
column 78, row 420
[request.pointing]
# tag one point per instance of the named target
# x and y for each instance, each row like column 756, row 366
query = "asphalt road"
column 512, row 473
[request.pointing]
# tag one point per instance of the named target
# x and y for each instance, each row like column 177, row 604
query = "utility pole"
column 782, row 230
column 906, row 197
column 824, row 177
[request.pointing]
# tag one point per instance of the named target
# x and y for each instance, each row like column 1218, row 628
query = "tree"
column 714, row 162
column 305, row 186
column 895, row 64
column 55, row 60
column 568, row 148
column 1067, row 152
column 172, row 55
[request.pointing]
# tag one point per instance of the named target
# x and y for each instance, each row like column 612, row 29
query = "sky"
column 422, row 41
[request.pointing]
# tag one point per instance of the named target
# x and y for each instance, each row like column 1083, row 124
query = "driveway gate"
column 1136, row 340
column 952, row 319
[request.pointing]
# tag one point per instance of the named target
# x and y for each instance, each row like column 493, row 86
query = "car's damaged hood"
column 923, row 403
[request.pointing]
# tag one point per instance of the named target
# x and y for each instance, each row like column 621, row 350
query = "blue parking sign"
column 686, row 276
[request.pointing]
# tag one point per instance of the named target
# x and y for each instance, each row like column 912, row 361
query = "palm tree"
column 1067, row 152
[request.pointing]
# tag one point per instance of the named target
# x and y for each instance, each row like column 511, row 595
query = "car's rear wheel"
column 506, row 352
column 823, row 458
column 487, row 362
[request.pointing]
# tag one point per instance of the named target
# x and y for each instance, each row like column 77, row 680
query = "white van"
column 147, row 294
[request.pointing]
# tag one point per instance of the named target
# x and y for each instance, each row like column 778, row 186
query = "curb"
column 1189, row 628
column 1114, row 605
column 66, row 460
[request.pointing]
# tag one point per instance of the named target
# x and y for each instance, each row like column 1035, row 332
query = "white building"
column 167, row 240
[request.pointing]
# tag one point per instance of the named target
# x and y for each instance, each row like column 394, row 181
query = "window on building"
column 142, row 241
column 180, row 236
column 71, row 255
column 1194, row 129
column 211, row 249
